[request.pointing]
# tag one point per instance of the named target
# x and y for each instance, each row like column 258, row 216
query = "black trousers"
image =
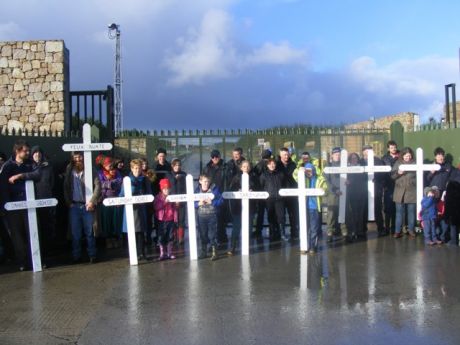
column 291, row 205
column 6, row 238
column 19, row 227
column 275, row 211
column 261, row 207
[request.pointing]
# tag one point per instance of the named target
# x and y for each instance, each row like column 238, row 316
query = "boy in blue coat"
column 207, row 216
column 428, row 214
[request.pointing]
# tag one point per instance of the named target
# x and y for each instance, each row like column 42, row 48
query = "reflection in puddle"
column 133, row 296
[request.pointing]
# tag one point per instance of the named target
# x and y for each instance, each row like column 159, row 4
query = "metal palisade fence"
column 194, row 147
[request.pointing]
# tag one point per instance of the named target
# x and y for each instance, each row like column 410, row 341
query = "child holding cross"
column 166, row 213
column 139, row 186
column 207, row 216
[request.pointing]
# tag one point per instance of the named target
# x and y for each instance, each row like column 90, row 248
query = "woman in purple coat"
column 110, row 217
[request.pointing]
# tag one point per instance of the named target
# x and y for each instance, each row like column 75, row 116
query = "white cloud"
column 210, row 53
column 276, row 54
column 424, row 76
column 206, row 54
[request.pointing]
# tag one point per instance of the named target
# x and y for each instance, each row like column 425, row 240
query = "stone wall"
column 409, row 121
column 34, row 78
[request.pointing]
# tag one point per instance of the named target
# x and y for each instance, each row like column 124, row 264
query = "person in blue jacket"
column 207, row 216
column 428, row 214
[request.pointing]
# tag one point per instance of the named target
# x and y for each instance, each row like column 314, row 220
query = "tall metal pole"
column 118, row 103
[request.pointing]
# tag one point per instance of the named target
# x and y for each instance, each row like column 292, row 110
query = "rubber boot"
column 214, row 253
column 180, row 235
column 163, row 255
column 170, row 251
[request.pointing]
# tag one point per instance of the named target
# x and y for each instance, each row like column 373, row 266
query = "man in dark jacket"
column 442, row 176
column 259, row 169
column 216, row 170
column 13, row 175
column 233, row 165
column 271, row 181
column 44, row 187
column 287, row 166
column 5, row 239
column 332, row 199
column 161, row 166
column 389, row 208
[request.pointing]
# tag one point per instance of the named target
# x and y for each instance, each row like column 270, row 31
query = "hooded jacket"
column 316, row 181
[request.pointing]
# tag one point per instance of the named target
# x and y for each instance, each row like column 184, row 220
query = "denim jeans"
column 314, row 228
column 429, row 230
column 400, row 215
column 81, row 220
column 207, row 223
column 236, row 228
column 443, row 230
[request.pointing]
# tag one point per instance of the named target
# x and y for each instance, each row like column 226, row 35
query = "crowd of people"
column 161, row 224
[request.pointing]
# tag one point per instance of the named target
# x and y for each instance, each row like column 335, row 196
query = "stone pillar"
column 34, row 79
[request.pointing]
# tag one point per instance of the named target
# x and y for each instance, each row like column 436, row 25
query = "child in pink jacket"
column 166, row 213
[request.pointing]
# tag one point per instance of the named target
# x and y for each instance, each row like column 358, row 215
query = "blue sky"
column 254, row 64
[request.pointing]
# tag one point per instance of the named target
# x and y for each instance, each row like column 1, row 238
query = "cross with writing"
column 190, row 199
column 87, row 147
column 128, row 201
column 302, row 192
column 31, row 204
column 245, row 195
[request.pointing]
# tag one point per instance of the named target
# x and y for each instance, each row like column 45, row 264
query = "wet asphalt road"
column 383, row 291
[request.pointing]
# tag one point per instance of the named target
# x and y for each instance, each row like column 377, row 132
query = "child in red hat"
column 166, row 213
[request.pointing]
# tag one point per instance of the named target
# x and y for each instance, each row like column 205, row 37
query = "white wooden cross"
column 190, row 199
column 87, row 147
column 370, row 169
column 245, row 194
column 343, row 170
column 128, row 201
column 419, row 168
column 302, row 192
column 31, row 205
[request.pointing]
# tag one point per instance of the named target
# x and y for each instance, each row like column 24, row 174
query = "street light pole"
column 114, row 33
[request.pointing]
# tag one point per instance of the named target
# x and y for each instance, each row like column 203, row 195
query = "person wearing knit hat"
column 266, row 154
column 215, row 153
column 166, row 214
column 336, row 150
column 216, row 170
column 162, row 166
column 333, row 182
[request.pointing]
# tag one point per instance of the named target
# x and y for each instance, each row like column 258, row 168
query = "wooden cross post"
column 245, row 195
column 343, row 170
column 419, row 168
column 128, row 201
column 370, row 169
column 31, row 205
column 302, row 192
column 190, row 199
column 87, row 147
